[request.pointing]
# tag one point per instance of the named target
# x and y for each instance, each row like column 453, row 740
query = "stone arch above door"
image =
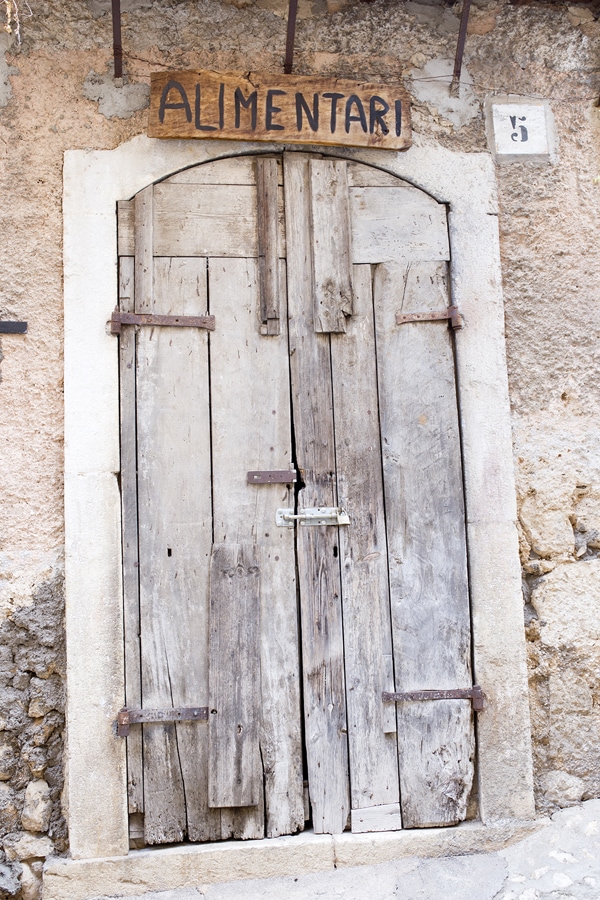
column 94, row 182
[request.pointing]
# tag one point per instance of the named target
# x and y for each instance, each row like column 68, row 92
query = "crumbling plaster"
column 549, row 235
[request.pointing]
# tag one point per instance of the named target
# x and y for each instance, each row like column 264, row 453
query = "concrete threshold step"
column 192, row 865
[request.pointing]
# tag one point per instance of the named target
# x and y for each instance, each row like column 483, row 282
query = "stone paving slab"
column 559, row 862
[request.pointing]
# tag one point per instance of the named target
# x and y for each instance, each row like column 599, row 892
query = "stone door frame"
column 93, row 183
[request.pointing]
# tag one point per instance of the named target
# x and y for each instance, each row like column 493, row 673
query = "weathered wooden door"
column 294, row 538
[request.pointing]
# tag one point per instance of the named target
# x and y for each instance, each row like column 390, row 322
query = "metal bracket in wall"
column 274, row 476
column 13, row 327
column 118, row 319
column 474, row 694
column 452, row 313
column 460, row 48
column 117, row 42
column 127, row 717
column 291, row 37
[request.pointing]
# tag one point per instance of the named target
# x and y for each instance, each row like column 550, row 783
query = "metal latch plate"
column 127, row 717
column 119, row 318
column 474, row 694
column 452, row 313
column 318, row 515
column 272, row 476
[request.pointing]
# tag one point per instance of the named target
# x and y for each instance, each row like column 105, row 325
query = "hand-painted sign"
column 289, row 109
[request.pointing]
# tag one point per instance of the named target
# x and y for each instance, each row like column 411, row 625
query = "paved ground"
column 560, row 862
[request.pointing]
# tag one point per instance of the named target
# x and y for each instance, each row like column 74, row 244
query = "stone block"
column 37, row 808
column 27, row 846
column 548, row 531
column 567, row 602
column 7, row 761
column 561, row 788
column 31, row 884
column 569, row 695
column 9, row 814
column 46, row 695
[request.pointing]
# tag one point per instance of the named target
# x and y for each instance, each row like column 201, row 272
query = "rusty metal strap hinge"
column 118, row 319
column 452, row 313
column 474, row 694
column 127, row 717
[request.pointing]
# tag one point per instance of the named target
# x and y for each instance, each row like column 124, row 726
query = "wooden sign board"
column 288, row 109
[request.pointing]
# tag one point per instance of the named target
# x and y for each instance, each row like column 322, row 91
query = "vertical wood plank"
column 131, row 596
column 126, row 227
column 363, row 554
column 317, row 547
column 175, row 536
column 267, row 177
column 330, row 218
column 251, row 427
column 144, row 249
column 426, row 542
column 234, row 771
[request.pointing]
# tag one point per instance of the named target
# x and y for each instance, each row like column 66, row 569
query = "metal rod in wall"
column 460, row 47
column 291, row 37
column 117, row 42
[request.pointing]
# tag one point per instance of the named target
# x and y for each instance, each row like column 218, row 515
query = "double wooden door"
column 310, row 402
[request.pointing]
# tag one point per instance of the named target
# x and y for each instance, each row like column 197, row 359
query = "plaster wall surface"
column 56, row 94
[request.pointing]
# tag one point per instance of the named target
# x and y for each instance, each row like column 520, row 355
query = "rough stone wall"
column 57, row 93
column 32, row 667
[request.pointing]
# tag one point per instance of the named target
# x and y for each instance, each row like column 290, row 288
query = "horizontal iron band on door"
column 474, row 694
column 452, row 313
column 118, row 319
column 127, row 717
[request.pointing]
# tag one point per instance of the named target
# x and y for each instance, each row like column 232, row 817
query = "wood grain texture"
column 209, row 220
column 144, row 249
column 131, row 594
column 363, row 553
column 360, row 175
column 426, row 541
column 330, row 221
column 126, row 227
column 234, row 170
column 291, row 109
column 376, row 818
column 251, row 425
column 175, row 536
column 234, row 770
column 268, row 257
column 397, row 223
column 317, row 547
